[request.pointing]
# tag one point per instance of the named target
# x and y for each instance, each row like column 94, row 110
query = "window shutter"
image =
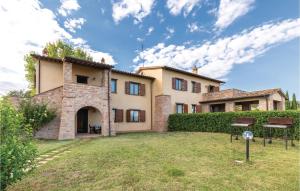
column 119, row 115
column 128, row 115
column 184, row 85
column 174, row 83
column 216, row 88
column 142, row 115
column 198, row 108
column 197, row 87
column 185, row 108
column 142, row 90
column 127, row 87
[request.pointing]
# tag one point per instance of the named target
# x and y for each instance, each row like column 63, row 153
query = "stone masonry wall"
column 162, row 111
column 54, row 100
column 77, row 96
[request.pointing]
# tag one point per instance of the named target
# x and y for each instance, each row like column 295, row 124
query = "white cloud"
column 160, row 17
column 138, row 9
column 73, row 24
column 216, row 58
column 170, row 32
column 27, row 26
column 230, row 10
column 194, row 27
column 177, row 6
column 67, row 6
column 150, row 30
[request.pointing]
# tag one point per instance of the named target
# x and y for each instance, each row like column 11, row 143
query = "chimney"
column 102, row 60
column 195, row 69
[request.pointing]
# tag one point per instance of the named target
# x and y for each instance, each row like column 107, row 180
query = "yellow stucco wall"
column 186, row 97
column 95, row 76
column 120, row 100
column 51, row 76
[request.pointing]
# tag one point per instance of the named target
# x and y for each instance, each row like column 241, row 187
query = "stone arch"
column 87, row 116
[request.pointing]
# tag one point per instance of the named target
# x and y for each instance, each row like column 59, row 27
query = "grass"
column 170, row 161
column 44, row 146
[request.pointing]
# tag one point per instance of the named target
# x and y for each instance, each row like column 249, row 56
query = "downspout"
column 108, row 102
column 39, row 88
column 151, row 123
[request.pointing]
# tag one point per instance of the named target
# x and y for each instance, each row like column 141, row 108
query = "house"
column 89, row 94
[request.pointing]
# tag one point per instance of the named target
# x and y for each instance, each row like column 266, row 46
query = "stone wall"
column 77, row 96
column 54, row 100
column 161, row 113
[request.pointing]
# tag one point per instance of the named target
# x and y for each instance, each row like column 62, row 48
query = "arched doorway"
column 88, row 120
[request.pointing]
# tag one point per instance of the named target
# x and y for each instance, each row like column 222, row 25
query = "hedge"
column 221, row 121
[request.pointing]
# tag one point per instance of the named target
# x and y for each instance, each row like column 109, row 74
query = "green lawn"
column 170, row 161
column 45, row 146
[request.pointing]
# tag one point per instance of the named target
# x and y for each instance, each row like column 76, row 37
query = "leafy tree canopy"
column 58, row 49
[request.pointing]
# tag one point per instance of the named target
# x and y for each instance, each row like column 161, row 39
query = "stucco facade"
column 87, row 94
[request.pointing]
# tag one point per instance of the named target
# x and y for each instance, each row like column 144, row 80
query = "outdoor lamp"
column 247, row 135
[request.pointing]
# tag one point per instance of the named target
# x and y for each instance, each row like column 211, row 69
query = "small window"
column 113, row 86
column 134, row 88
column 210, row 89
column 134, row 116
column 194, row 108
column 178, row 84
column 179, row 108
column 82, row 79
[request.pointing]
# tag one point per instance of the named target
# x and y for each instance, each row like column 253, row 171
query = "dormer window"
column 82, row 79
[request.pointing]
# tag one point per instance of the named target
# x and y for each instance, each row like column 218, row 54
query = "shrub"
column 221, row 122
column 17, row 149
column 35, row 114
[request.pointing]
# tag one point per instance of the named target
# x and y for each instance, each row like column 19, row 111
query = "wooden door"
column 82, row 121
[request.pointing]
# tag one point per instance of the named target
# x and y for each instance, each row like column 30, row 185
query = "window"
column 82, row 79
column 113, row 86
column 134, row 88
column 178, row 84
column 194, row 87
column 179, row 108
column 194, row 109
column 114, row 114
column 210, row 88
column 134, row 116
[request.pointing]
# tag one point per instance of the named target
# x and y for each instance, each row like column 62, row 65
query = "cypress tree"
column 287, row 102
column 294, row 102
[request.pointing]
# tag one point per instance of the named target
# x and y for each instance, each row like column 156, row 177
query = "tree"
column 58, row 49
column 287, row 102
column 17, row 150
column 294, row 102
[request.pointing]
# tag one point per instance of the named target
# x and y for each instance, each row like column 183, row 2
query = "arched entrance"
column 88, row 120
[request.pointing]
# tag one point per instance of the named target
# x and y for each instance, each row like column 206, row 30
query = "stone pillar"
column 229, row 106
column 162, row 110
column 67, row 72
column 67, row 121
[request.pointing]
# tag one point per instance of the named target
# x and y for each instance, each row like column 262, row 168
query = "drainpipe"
column 39, row 88
column 108, row 102
column 151, row 103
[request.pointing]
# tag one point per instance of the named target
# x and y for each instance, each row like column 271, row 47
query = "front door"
column 82, row 121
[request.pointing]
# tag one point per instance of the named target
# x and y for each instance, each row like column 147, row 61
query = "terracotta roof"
column 132, row 74
column 73, row 60
column 234, row 94
column 179, row 71
column 47, row 58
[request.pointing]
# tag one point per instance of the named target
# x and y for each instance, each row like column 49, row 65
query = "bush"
column 221, row 122
column 35, row 114
column 17, row 149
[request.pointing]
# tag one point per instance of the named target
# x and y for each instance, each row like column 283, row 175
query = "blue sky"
column 251, row 44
